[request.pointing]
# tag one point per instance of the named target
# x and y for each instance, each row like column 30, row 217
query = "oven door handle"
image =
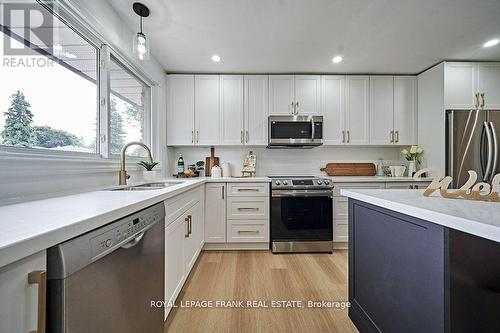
column 303, row 193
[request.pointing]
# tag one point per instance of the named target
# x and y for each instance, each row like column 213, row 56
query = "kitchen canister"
column 226, row 169
column 216, row 171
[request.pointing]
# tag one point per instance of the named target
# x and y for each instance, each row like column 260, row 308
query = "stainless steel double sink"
column 147, row 186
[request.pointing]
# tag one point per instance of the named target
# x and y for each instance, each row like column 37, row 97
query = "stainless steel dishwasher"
column 105, row 280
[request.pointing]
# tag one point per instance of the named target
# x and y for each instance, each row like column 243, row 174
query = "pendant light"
column 141, row 43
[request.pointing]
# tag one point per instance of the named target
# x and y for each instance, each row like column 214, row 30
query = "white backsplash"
column 286, row 161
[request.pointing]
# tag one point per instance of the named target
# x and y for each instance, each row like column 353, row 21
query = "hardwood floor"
column 262, row 276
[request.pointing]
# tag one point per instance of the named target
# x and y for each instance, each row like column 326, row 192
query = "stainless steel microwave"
column 295, row 131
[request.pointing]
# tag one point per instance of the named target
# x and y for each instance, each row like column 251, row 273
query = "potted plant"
column 196, row 168
column 149, row 174
column 413, row 156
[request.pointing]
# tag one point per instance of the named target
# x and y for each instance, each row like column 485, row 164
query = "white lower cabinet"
column 236, row 213
column 247, row 231
column 23, row 294
column 184, row 230
column 215, row 213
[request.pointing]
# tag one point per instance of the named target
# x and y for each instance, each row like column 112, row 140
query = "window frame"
column 63, row 11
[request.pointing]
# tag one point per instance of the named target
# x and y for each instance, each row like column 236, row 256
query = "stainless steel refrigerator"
column 472, row 143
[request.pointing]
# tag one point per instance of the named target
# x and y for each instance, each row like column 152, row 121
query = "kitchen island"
column 423, row 264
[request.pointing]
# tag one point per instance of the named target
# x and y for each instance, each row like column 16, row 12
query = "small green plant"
column 196, row 168
column 148, row 165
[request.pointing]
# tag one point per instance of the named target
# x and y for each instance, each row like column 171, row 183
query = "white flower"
column 413, row 149
column 404, row 151
column 419, row 150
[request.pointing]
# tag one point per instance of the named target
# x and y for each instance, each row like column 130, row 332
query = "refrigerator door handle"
column 495, row 150
column 482, row 158
column 490, row 152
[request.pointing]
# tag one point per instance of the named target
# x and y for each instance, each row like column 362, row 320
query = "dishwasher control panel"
column 123, row 231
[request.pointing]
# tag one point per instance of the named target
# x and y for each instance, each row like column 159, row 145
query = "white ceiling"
column 273, row 36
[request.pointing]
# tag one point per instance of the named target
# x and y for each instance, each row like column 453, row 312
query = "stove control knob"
column 327, row 182
column 277, row 182
column 319, row 181
column 285, row 182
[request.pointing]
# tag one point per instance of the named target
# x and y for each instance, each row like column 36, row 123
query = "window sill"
column 25, row 165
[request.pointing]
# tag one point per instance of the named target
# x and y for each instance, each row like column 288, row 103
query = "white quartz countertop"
column 374, row 179
column 478, row 218
column 30, row 227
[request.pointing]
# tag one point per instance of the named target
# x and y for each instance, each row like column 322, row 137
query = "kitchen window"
column 129, row 98
column 67, row 93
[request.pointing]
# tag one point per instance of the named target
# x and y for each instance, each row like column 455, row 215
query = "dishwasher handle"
column 134, row 241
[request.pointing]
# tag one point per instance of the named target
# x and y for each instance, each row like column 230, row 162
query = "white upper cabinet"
column 294, row 94
column 308, row 94
column 464, row 81
column 357, row 110
column 256, row 104
column 381, row 110
column 207, row 109
column 489, row 85
column 333, row 109
column 180, row 105
column 281, row 94
column 460, row 85
column 405, row 110
column 231, row 104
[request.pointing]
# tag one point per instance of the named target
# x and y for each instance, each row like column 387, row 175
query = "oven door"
column 301, row 215
column 295, row 131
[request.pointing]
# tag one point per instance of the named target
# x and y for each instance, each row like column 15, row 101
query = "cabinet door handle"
column 397, row 136
column 40, row 278
column 248, row 231
column 186, row 234
column 348, row 136
column 192, row 136
column 248, row 190
column 477, row 100
column 343, row 136
column 190, row 224
column 291, row 109
column 241, row 136
column 391, row 136
column 482, row 100
column 197, row 136
column 297, row 108
column 222, row 188
column 247, row 136
column 252, row 209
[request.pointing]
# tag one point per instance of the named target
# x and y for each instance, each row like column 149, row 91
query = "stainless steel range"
column 301, row 214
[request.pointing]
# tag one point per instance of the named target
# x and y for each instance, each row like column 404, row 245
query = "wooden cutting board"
column 210, row 162
column 350, row 169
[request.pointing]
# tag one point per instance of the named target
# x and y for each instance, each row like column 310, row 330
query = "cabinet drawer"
column 340, row 208
column 177, row 205
column 249, row 208
column 241, row 231
column 247, row 189
column 338, row 187
column 340, row 231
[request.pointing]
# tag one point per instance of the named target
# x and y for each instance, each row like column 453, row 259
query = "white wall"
column 431, row 117
column 24, row 178
column 287, row 161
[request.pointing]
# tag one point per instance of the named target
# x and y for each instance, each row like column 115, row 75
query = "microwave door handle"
column 495, row 150
column 490, row 152
column 313, row 134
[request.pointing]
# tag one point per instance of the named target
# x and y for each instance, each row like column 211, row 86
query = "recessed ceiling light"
column 336, row 59
column 491, row 43
column 215, row 58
